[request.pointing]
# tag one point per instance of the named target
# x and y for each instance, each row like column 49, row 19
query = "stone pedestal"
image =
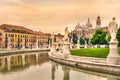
column 49, row 45
column 53, row 49
column 23, row 47
column 71, row 46
column 78, row 44
column 23, row 43
column 85, row 46
column 36, row 44
column 66, row 49
column 113, row 57
column 8, row 45
column 8, row 48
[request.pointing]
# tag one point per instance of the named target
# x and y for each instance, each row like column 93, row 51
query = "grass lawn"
column 92, row 52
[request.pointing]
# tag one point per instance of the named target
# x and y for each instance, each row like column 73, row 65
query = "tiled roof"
column 15, row 29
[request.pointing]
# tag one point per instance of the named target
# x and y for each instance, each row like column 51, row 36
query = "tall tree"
column 99, row 37
column 74, row 38
column 82, row 41
column 118, row 36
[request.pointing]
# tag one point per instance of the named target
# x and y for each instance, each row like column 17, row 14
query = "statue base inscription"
column 113, row 57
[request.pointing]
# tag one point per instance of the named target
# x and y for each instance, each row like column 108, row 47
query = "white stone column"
column 23, row 43
column 37, row 44
column 8, row 44
column 8, row 62
column 78, row 44
column 85, row 44
column 113, row 57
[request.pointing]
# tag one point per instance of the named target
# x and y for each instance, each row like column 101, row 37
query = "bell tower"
column 98, row 22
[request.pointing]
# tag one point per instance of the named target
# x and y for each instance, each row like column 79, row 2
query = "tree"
column 118, row 36
column 82, row 41
column 108, row 38
column 99, row 37
column 74, row 38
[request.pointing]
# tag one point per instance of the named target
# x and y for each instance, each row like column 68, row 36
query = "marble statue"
column 53, row 36
column 113, row 56
column 66, row 33
column 113, row 26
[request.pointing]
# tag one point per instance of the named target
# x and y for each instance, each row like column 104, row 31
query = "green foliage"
column 92, row 52
column 99, row 37
column 74, row 38
column 108, row 38
column 87, row 41
column 118, row 36
column 82, row 41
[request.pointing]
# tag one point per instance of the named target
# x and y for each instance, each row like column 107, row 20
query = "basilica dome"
column 88, row 24
column 78, row 27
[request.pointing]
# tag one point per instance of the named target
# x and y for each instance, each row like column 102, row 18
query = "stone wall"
column 88, row 64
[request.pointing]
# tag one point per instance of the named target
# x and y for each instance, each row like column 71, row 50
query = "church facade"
column 86, row 31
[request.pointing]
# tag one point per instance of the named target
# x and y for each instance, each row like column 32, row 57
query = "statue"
column 113, row 26
column 53, row 36
column 113, row 56
column 66, row 33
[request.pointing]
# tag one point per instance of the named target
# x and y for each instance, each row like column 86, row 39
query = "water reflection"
column 36, row 66
column 21, row 61
column 66, row 71
column 73, row 74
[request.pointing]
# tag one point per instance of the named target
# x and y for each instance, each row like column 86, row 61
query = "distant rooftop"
column 15, row 29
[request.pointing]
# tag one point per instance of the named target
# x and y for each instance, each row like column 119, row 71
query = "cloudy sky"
column 55, row 15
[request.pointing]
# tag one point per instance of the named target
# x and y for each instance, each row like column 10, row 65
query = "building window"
column 9, row 35
column 12, row 35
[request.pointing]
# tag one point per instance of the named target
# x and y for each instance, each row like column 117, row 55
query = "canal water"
column 37, row 66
